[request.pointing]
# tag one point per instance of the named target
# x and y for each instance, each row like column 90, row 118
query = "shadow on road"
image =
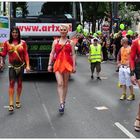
column 40, row 77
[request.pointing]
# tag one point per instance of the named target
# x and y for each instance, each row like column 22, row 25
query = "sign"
column 42, row 47
column 105, row 27
column 41, row 29
column 4, row 29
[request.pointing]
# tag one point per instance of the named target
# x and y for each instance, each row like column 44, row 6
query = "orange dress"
column 64, row 61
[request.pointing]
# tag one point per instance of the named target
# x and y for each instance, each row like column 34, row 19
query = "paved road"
column 39, row 117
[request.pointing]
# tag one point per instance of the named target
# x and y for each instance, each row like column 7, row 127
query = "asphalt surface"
column 39, row 118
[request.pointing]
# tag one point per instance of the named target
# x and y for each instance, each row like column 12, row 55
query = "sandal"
column 137, row 124
column 11, row 108
column 18, row 105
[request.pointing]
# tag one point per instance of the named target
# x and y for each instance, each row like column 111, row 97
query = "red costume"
column 18, row 57
column 135, row 51
column 64, row 61
column 135, row 57
column 17, row 53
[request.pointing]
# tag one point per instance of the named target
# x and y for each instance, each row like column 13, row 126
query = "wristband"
column 50, row 64
column 131, row 73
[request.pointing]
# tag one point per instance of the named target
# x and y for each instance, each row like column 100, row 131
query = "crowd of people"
column 110, row 45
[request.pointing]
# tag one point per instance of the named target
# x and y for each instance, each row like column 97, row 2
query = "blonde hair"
column 65, row 25
column 124, row 39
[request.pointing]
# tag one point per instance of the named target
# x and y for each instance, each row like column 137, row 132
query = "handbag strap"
column 62, row 46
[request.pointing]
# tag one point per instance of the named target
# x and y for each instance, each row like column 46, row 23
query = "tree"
column 136, row 5
column 126, row 11
column 94, row 11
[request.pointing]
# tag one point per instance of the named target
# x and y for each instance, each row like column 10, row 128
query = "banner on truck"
column 41, row 29
column 4, row 29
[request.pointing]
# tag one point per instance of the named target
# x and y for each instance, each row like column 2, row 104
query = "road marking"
column 45, row 108
column 101, row 108
column 48, row 116
column 104, row 77
column 6, row 106
column 130, row 135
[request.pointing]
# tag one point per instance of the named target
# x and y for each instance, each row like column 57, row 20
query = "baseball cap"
column 95, row 39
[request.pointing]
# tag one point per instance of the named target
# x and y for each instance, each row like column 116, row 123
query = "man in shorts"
column 95, row 58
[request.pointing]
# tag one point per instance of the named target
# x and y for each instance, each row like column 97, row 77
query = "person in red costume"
column 135, row 71
column 64, row 54
column 18, row 59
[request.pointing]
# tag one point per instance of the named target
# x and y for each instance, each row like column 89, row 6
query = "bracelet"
column 50, row 64
column 131, row 73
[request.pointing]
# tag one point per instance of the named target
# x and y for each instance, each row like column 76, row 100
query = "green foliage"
column 94, row 11
column 136, row 5
column 126, row 11
column 97, row 9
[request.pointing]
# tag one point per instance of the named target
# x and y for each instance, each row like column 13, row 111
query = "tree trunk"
column 110, row 7
column 89, row 26
column 93, row 24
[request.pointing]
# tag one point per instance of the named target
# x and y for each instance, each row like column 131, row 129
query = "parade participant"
column 104, row 47
column 64, row 65
column 117, row 43
column 135, row 71
column 124, row 69
column 1, row 63
column 18, row 58
column 95, row 58
column 111, row 46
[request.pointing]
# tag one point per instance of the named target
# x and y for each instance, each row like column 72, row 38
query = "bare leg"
column 65, row 86
column 11, row 92
column 19, row 89
column 138, row 115
column 124, row 88
column 60, row 83
column 131, row 90
column 139, row 112
column 137, row 122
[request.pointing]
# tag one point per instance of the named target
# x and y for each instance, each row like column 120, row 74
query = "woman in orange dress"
column 64, row 65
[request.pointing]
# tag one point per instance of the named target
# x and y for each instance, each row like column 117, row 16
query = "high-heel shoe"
column 137, row 125
column 11, row 108
column 61, row 109
column 18, row 105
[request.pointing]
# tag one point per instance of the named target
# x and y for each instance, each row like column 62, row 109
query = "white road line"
column 101, row 108
column 48, row 116
column 6, row 106
column 130, row 135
